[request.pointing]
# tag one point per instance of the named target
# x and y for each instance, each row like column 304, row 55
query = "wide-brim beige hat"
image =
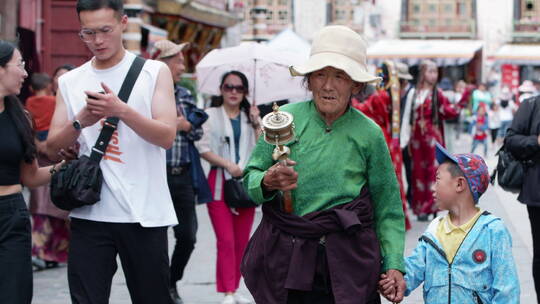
column 166, row 48
column 340, row 47
column 403, row 71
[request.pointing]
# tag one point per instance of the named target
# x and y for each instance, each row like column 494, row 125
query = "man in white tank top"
column 135, row 209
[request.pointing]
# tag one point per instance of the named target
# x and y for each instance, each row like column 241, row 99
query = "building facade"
column 274, row 15
column 447, row 19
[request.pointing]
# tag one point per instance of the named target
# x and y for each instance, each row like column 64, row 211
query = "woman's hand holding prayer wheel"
column 280, row 177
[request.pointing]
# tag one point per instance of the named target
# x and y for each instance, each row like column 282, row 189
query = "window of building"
column 341, row 15
column 282, row 15
column 448, row 8
column 432, row 8
column 529, row 5
column 283, row 2
column 462, row 9
column 530, row 8
column 270, row 2
column 269, row 15
column 416, row 8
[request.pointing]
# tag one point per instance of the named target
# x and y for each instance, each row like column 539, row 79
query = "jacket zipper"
column 443, row 254
column 449, row 283
column 477, row 298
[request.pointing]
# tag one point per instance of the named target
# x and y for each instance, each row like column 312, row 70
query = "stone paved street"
column 198, row 287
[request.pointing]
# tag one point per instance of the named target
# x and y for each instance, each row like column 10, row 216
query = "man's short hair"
column 40, row 81
column 93, row 5
column 454, row 169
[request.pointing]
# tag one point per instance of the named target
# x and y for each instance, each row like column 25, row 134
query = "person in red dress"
column 425, row 109
column 379, row 108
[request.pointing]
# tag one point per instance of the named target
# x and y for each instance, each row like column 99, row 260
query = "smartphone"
column 92, row 97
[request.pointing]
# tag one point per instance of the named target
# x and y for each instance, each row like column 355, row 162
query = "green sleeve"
column 388, row 210
column 259, row 162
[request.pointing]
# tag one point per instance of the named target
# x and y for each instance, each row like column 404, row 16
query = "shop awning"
column 154, row 33
column 198, row 12
column 520, row 54
column 410, row 51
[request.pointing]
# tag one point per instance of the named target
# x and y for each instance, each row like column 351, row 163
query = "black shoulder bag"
column 234, row 194
column 510, row 171
column 78, row 182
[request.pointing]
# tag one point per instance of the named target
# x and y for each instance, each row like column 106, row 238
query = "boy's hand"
column 387, row 287
column 393, row 285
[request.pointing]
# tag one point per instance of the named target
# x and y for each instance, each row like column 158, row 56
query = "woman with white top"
column 506, row 114
column 230, row 135
column 494, row 120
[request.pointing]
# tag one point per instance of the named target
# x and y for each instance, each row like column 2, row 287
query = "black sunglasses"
column 229, row 88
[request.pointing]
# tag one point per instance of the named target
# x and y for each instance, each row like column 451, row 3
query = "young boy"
column 480, row 129
column 465, row 256
column 41, row 104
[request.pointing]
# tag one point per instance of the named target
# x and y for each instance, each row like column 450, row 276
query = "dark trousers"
column 407, row 162
column 534, row 218
column 15, row 251
column 494, row 135
column 92, row 261
column 183, row 197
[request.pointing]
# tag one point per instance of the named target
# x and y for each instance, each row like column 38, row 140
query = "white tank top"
column 135, row 186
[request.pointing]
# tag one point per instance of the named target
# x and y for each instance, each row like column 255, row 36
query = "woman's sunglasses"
column 229, row 88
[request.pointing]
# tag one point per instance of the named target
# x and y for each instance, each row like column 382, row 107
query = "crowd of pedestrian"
column 360, row 159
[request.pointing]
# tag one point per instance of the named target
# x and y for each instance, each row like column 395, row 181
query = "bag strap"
column 111, row 123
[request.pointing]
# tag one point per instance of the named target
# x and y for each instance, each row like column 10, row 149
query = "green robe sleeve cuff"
column 255, row 190
column 394, row 261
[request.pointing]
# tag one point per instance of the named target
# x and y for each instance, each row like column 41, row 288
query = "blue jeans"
column 504, row 127
column 477, row 142
column 15, row 251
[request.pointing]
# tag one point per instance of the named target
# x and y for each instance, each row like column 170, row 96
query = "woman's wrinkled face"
column 233, row 90
column 332, row 89
column 12, row 75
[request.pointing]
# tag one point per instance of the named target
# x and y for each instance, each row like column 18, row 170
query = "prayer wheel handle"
column 278, row 130
column 281, row 154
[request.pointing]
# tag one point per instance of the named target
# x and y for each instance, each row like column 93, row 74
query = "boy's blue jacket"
column 483, row 270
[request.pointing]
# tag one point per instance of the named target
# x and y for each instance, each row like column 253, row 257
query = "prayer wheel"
column 278, row 130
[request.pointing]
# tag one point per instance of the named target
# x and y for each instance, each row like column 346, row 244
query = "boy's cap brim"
column 443, row 155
